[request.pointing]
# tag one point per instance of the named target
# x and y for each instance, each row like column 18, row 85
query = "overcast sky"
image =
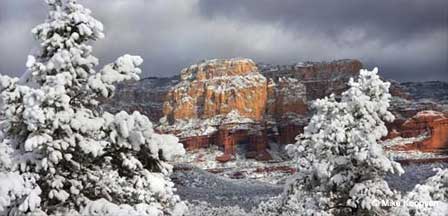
column 406, row 39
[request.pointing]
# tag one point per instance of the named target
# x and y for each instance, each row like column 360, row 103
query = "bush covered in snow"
column 430, row 198
column 341, row 166
column 61, row 154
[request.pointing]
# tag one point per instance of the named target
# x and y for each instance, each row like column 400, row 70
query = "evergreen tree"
column 59, row 152
column 341, row 166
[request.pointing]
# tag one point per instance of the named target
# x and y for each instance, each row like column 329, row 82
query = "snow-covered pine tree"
column 430, row 198
column 59, row 152
column 341, row 166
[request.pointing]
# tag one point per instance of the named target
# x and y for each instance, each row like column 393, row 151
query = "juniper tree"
column 59, row 152
column 341, row 166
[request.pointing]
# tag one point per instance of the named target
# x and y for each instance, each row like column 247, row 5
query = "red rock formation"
column 196, row 142
column 229, row 139
column 392, row 134
column 260, row 141
column 228, row 142
column 210, row 92
column 217, row 87
column 286, row 95
column 433, row 124
column 439, row 135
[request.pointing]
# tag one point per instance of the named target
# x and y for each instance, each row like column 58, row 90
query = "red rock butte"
column 235, row 102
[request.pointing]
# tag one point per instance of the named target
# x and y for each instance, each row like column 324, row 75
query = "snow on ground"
column 199, row 185
column 414, row 155
column 241, row 168
column 206, row 159
column 238, row 184
column 276, row 171
column 399, row 141
column 205, row 209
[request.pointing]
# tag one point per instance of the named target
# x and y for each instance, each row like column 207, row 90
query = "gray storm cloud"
column 407, row 39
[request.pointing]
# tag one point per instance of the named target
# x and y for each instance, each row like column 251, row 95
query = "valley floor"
column 199, row 185
column 218, row 190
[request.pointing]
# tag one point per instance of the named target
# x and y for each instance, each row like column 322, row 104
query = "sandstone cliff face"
column 286, row 95
column 217, row 87
column 429, row 123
